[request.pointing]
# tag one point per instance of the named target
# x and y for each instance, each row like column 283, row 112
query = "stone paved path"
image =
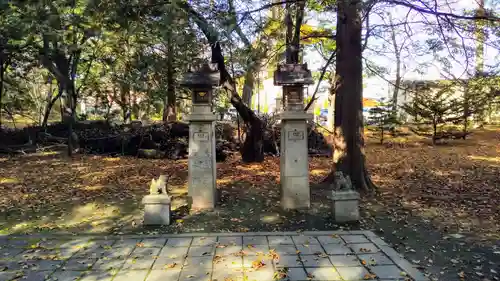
column 316, row 255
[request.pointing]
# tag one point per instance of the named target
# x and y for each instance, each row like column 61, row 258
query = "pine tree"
column 383, row 118
column 434, row 106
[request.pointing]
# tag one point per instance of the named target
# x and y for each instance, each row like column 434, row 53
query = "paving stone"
column 98, row 276
column 20, row 243
column 139, row 263
column 355, row 239
column 228, row 262
column 44, row 265
column 173, row 252
column 323, row 273
column 66, row 253
column 337, row 249
column 145, row 252
column 329, row 239
column 102, row 243
column 352, row 273
column 364, row 248
column 284, row 250
column 153, row 242
column 196, row 274
column 179, row 242
column 9, row 265
column 51, row 243
column 230, row 240
column 295, row 274
column 201, row 262
column 253, row 250
column 233, row 275
column 105, row 264
column 204, row 241
column 7, row 275
column 347, row 260
column 288, row 261
column 127, row 275
column 62, row 275
column 255, row 240
column 171, row 274
column 117, row 253
column 280, row 240
column 163, row 263
column 228, row 250
column 79, row 264
column 41, row 254
column 315, row 261
column 310, row 249
column 262, row 274
column 35, row 275
column 387, row 272
column 126, row 243
column 93, row 251
column 248, row 261
column 376, row 259
column 10, row 253
column 305, row 240
column 201, row 251
column 75, row 243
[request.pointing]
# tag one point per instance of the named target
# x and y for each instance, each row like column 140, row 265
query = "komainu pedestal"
column 157, row 203
column 345, row 199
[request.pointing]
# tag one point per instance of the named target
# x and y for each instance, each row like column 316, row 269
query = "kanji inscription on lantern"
column 296, row 135
column 201, row 136
column 202, row 97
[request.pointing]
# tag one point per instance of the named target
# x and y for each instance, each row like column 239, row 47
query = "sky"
column 377, row 87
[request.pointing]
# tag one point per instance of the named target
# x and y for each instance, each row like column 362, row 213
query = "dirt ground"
column 439, row 205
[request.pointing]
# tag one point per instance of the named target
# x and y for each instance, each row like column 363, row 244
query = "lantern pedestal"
column 294, row 162
column 202, row 165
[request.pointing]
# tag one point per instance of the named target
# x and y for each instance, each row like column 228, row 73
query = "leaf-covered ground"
column 438, row 204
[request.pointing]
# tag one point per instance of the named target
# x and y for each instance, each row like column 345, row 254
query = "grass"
column 454, row 186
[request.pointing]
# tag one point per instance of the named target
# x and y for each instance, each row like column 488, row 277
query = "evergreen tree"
column 383, row 118
column 434, row 105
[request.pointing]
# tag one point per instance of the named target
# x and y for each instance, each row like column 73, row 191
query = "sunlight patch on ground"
column 111, row 159
column 46, row 153
column 483, row 158
column 92, row 187
column 318, row 172
column 9, row 181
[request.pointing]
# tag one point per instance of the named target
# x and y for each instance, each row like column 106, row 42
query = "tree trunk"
column 169, row 112
column 252, row 148
column 397, row 83
column 248, row 86
column 349, row 131
column 2, row 72
column 125, row 103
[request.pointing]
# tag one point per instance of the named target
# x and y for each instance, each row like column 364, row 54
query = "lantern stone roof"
column 293, row 74
column 205, row 75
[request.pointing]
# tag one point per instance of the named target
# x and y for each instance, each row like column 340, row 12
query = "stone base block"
column 345, row 206
column 156, row 209
column 295, row 193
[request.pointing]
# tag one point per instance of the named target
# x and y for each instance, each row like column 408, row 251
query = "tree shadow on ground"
column 102, row 195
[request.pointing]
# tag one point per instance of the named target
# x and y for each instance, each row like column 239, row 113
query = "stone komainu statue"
column 158, row 186
column 342, row 182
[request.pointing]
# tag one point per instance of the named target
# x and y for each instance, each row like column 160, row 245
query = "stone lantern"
column 294, row 161
column 202, row 166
